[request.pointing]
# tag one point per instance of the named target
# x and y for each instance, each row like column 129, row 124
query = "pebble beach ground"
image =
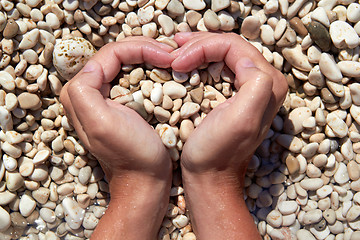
column 302, row 183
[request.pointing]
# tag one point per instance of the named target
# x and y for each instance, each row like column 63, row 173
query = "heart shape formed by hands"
column 173, row 97
column 175, row 101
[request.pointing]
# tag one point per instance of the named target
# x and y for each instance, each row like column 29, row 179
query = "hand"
column 215, row 156
column 133, row 157
column 229, row 135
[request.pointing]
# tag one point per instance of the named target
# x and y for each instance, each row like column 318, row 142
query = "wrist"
column 217, row 206
column 136, row 209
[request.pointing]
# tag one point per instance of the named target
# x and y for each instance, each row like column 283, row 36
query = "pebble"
column 304, row 234
column 29, row 100
column 297, row 58
column 211, row 20
column 329, row 68
column 14, row 181
column 343, row 35
column 341, row 176
column 274, row 218
column 312, row 183
column 250, row 27
column 174, row 90
column 74, row 214
column 5, row 220
column 337, row 125
column 293, row 124
column 167, row 24
column 196, row 5
column 7, row 81
column 90, row 221
column 70, row 55
column 167, row 136
column 298, row 26
column 349, row 68
column 30, row 39
column 353, row 12
column 27, row 205
column 6, row 197
column 11, row 29
column 320, row 35
column 6, row 121
column 287, row 207
column 188, row 109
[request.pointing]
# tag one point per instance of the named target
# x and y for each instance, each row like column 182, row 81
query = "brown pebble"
column 11, row 29
column 292, row 164
column 327, row 96
column 298, row 26
column 197, row 95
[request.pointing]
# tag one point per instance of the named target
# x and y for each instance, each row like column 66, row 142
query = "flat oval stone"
column 349, row 68
column 71, row 55
column 174, row 90
column 28, row 100
column 320, row 35
column 298, row 26
column 312, row 183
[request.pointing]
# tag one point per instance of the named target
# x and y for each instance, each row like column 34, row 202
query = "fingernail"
column 246, row 63
column 89, row 67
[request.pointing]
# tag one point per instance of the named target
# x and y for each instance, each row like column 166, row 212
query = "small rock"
column 29, row 100
column 298, row 26
column 74, row 214
column 217, row 5
column 320, row 35
column 343, row 35
column 5, row 220
column 11, row 29
column 71, row 55
column 297, row 58
column 274, row 218
column 196, row 5
column 174, row 90
column 341, row 176
column 27, row 205
column 250, row 27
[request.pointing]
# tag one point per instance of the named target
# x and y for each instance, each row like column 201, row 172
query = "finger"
column 228, row 47
column 163, row 46
column 69, row 110
column 186, row 41
column 250, row 103
column 114, row 54
column 105, row 90
column 87, row 101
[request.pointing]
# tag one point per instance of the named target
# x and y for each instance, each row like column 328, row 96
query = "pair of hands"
column 222, row 145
